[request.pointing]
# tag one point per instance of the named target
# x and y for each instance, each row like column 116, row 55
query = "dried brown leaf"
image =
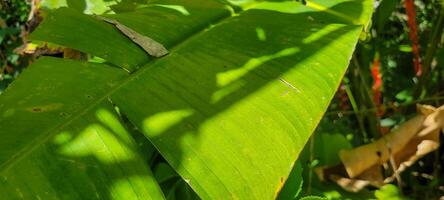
column 404, row 145
column 150, row 46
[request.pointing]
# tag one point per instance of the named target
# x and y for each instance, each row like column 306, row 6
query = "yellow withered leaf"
column 402, row 147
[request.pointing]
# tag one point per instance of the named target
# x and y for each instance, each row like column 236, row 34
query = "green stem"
column 435, row 40
column 310, row 168
column 366, row 93
column 358, row 114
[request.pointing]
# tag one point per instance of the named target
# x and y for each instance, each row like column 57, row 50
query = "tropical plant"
column 13, row 16
column 230, row 108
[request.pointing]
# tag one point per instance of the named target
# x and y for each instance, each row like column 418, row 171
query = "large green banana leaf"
column 230, row 108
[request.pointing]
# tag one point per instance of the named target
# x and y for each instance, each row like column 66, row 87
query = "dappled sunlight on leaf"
column 226, row 91
column 230, row 108
column 284, row 7
column 326, row 9
column 95, row 140
column 235, row 92
column 89, row 6
column 160, row 122
column 109, row 120
column 96, row 158
column 261, row 34
column 325, row 31
column 62, row 138
column 227, row 77
column 179, row 8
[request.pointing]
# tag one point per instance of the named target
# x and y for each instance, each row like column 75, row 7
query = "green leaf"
column 247, row 96
column 99, row 38
column 163, row 172
column 79, row 5
column 4, row 32
column 91, row 6
column 389, row 192
column 181, row 191
column 327, row 147
column 293, row 185
column 384, row 11
column 89, row 156
column 228, row 108
column 313, row 198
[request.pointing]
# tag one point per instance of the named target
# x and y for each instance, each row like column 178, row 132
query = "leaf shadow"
column 184, row 112
column 226, row 77
column 96, row 157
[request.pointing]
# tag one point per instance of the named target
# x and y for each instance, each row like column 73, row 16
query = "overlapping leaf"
column 230, row 107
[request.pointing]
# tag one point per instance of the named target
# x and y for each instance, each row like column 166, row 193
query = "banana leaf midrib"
column 132, row 75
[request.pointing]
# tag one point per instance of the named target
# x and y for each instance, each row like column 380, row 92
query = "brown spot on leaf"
column 36, row 110
column 45, row 108
column 279, row 188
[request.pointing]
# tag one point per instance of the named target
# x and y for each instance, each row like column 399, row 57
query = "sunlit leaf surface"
column 230, row 108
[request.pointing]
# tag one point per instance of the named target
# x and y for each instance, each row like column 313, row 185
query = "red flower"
column 411, row 21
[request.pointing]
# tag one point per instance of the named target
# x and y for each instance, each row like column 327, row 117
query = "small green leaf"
column 163, row 172
column 388, row 192
column 293, row 185
column 313, row 198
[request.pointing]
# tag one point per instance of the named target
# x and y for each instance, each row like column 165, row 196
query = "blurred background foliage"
column 379, row 92
column 13, row 18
